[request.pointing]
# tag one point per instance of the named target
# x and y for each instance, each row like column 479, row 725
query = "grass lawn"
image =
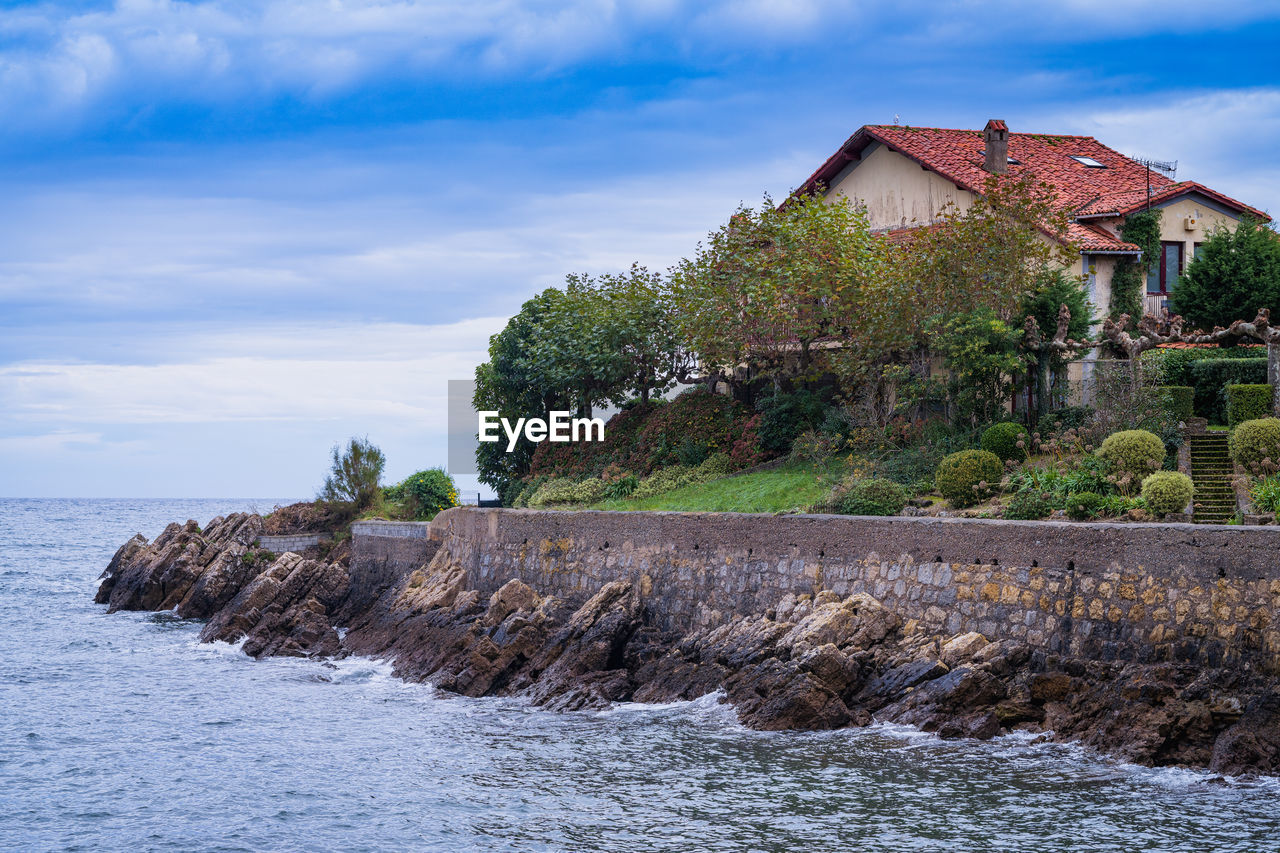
column 789, row 487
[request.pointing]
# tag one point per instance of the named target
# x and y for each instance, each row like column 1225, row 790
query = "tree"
column 641, row 317
column 514, row 383
column 772, row 284
column 355, row 476
column 981, row 354
column 1054, row 291
column 1128, row 281
column 1235, row 274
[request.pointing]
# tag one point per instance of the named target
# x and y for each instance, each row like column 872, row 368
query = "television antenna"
column 1164, row 167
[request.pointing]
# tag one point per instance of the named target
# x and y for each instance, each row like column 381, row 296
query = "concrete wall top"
column 392, row 529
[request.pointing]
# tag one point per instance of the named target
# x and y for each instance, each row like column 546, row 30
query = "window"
column 1088, row 161
column 1163, row 273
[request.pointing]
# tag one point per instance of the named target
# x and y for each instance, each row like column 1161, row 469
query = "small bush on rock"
column 1007, row 440
column 870, row 497
column 1247, row 403
column 970, row 476
column 428, row 492
column 1028, row 506
column 1131, row 455
column 1255, row 446
column 1085, row 505
column 1167, row 491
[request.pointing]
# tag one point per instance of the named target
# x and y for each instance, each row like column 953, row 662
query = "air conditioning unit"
column 1191, row 223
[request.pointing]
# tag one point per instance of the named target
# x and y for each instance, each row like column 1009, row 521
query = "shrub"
column 355, row 475
column 784, row 416
column 1180, row 401
column 1131, row 455
column 522, row 498
column 621, row 487
column 714, row 467
column 1255, row 446
column 1211, row 378
column 1061, row 420
column 691, row 452
column 1028, row 505
column 663, row 480
column 1167, row 491
column 1007, row 440
column 1247, row 403
column 870, row 497
column 969, row 476
column 427, row 492
column 587, row 491
column 913, row 467
column 1265, row 494
column 557, row 491
column 1085, row 505
column 1173, row 366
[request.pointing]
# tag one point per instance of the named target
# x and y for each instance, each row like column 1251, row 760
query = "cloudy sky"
column 233, row 233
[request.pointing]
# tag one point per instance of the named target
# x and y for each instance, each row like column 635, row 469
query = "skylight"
column 1088, row 161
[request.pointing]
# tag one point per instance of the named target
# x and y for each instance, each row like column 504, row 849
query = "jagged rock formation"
column 812, row 662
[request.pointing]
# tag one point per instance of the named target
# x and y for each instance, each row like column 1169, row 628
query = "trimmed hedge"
column 1002, row 440
column 1247, row 403
column 870, row 497
column 1255, row 446
column 969, row 476
column 1131, row 455
column 1211, row 377
column 1180, row 401
column 1167, row 491
column 1173, row 366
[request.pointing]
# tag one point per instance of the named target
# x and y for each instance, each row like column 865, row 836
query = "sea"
column 124, row 732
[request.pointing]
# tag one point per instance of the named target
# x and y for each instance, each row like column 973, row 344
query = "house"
column 905, row 176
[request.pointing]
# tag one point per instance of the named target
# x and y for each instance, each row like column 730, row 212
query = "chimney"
column 996, row 137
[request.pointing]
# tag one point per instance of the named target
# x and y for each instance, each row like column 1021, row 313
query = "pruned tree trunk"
column 1273, row 373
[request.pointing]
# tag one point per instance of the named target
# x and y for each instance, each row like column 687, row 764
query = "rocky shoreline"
column 810, row 663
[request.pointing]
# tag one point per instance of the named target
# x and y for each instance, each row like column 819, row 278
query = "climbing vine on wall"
column 1142, row 229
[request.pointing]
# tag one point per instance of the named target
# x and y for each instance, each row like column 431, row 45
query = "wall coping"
column 392, row 529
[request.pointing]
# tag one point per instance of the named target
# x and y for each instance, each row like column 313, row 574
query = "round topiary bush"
column 1028, row 505
column 1255, row 446
column 429, row 491
column 969, row 476
column 871, row 497
column 1131, row 455
column 1085, row 505
column 1007, row 440
column 1167, row 491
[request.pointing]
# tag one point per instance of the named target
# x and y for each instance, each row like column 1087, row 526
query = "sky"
column 233, row 233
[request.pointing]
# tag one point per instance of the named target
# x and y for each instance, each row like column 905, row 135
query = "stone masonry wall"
column 1107, row 591
column 297, row 542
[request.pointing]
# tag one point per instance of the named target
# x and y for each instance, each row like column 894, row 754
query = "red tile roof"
column 1087, row 191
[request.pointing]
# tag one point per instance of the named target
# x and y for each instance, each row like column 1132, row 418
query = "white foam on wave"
column 709, row 707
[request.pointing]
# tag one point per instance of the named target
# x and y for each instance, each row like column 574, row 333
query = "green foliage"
column 869, row 497
column 1085, row 505
column 1073, row 476
column 1265, row 494
column 1131, row 455
column 970, row 476
column 621, row 487
column 1210, row 377
column 912, row 467
column 1247, row 403
column 1167, row 491
column 677, row 476
column 355, row 476
column 1255, row 446
column 556, row 491
column 1028, row 506
column 691, row 452
column 1173, row 366
column 1128, row 282
column 1236, row 273
column 1007, row 440
column 1055, row 289
column 427, row 492
column 980, row 352
column 786, row 415
column 1180, row 401
column 1065, row 418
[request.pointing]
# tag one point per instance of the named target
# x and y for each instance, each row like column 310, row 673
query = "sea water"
column 124, row 732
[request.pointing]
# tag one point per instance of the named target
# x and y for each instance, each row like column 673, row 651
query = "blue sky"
column 235, row 233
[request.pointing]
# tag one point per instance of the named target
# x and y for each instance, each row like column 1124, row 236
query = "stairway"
column 1212, row 471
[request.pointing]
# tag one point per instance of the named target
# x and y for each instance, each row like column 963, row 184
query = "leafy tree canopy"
column 1236, row 273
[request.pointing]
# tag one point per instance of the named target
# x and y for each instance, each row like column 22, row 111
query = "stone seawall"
column 383, row 552
column 1103, row 591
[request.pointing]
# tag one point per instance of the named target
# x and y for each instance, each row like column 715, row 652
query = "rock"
column 961, row 649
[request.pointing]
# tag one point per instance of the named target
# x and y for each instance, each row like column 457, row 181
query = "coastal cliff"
column 1161, row 650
